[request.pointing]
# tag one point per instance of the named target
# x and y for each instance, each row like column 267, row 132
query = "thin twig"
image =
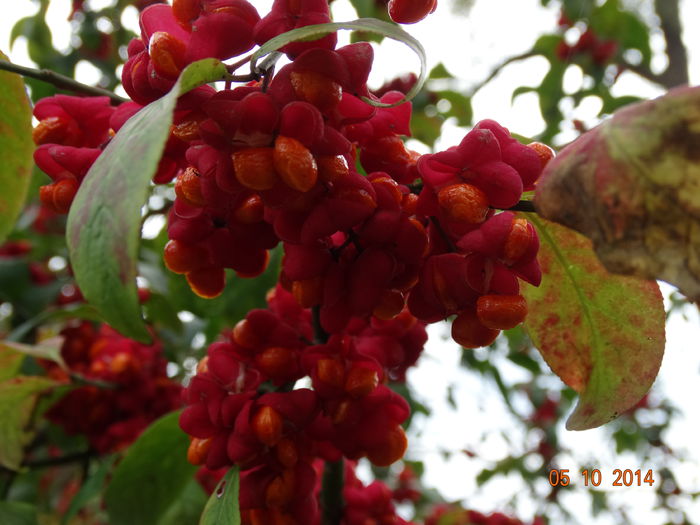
column 495, row 71
column 60, row 81
column 233, row 67
column 242, row 78
column 443, row 234
column 78, row 457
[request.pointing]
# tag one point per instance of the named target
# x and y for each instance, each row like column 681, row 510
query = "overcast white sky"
column 470, row 46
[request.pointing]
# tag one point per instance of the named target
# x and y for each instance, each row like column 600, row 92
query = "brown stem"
column 242, row 78
column 233, row 67
column 60, row 81
column 528, row 206
column 677, row 71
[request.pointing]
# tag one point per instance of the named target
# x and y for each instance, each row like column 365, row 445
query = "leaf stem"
column 60, row 81
column 83, row 380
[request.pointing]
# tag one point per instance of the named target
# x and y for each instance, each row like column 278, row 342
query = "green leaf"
column 364, row 8
column 611, row 21
column 90, row 490
column 17, row 513
column 612, row 104
column 152, row 476
column 372, row 25
column 602, row 334
column 521, row 90
column 16, row 148
column 440, row 71
column 18, row 396
column 525, row 361
column 460, row 106
column 104, row 222
column 547, row 45
column 188, row 507
column 222, row 507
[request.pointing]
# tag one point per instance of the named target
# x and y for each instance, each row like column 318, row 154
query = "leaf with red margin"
column 602, row 334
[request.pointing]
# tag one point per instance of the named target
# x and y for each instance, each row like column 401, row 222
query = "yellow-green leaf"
column 18, row 397
column 602, row 334
column 16, row 148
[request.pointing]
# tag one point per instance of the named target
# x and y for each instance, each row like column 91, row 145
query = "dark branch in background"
column 677, row 71
column 496, row 70
column 60, row 81
column 675, row 74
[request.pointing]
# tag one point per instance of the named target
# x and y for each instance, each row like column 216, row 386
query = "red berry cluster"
column 136, row 389
column 474, row 265
column 275, row 437
column 69, row 136
column 373, row 503
column 377, row 240
column 600, row 50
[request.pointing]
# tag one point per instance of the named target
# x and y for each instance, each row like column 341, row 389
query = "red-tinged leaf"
column 16, row 148
column 631, row 185
column 18, row 396
column 104, row 223
column 602, row 334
